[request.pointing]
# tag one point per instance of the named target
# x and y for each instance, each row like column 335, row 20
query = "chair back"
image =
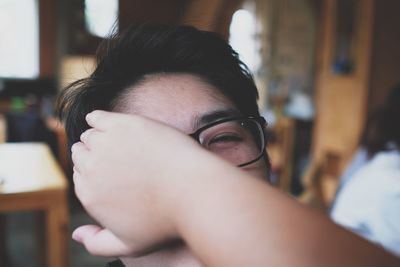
column 280, row 151
column 320, row 181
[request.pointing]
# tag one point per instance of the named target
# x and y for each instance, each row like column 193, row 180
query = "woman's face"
column 185, row 102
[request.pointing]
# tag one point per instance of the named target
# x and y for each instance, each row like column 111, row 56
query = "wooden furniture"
column 320, row 181
column 56, row 126
column 280, row 152
column 3, row 129
column 32, row 180
column 342, row 98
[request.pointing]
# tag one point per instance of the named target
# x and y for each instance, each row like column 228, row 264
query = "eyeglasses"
column 240, row 140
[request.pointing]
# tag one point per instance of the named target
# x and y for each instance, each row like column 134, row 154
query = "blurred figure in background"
column 368, row 199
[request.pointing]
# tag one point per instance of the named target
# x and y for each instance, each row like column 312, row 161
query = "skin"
column 242, row 221
column 182, row 101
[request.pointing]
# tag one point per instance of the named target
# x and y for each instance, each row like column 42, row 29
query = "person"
column 186, row 78
column 161, row 198
column 368, row 202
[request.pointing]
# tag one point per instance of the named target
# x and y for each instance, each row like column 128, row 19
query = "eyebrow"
column 214, row 116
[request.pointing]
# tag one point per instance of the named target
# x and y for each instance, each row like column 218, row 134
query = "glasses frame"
column 260, row 122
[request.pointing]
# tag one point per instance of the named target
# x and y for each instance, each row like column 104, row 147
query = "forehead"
column 179, row 100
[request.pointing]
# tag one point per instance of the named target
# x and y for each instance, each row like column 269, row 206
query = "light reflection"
column 101, row 16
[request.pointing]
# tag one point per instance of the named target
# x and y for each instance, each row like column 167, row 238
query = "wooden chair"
column 320, row 181
column 281, row 152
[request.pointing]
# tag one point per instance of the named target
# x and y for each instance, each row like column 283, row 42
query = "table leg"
column 4, row 260
column 57, row 233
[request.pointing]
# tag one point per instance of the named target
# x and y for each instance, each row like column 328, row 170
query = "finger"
column 75, row 175
column 103, row 120
column 85, row 135
column 88, row 137
column 76, row 178
column 79, row 155
column 100, row 241
column 100, row 119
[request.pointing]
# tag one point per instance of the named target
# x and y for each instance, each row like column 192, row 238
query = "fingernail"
column 76, row 236
column 93, row 116
column 90, row 116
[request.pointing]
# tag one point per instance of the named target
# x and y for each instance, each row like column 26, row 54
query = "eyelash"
column 226, row 138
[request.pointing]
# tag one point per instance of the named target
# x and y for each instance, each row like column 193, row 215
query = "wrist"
column 205, row 178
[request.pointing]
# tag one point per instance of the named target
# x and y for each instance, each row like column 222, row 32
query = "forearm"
column 230, row 219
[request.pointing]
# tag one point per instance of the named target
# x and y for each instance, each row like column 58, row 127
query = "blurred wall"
column 63, row 32
column 211, row 15
column 156, row 11
column 385, row 68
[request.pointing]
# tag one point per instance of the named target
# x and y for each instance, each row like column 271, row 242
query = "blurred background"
column 321, row 66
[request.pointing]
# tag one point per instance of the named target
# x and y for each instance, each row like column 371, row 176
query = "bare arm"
column 227, row 217
column 231, row 214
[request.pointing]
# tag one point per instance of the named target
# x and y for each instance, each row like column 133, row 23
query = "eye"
column 225, row 138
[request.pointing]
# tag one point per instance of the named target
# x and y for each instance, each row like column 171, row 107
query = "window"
column 19, row 39
column 243, row 38
column 101, row 16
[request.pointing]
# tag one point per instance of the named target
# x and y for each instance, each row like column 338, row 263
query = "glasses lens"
column 238, row 141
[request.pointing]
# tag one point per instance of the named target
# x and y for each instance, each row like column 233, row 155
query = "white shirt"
column 369, row 202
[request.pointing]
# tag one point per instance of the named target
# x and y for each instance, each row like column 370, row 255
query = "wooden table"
column 30, row 179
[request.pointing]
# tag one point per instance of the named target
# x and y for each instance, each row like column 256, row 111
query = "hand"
column 126, row 168
column 97, row 239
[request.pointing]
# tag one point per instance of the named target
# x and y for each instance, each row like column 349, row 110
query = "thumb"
column 100, row 241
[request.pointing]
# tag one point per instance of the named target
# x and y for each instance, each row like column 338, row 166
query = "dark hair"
column 124, row 59
column 383, row 126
